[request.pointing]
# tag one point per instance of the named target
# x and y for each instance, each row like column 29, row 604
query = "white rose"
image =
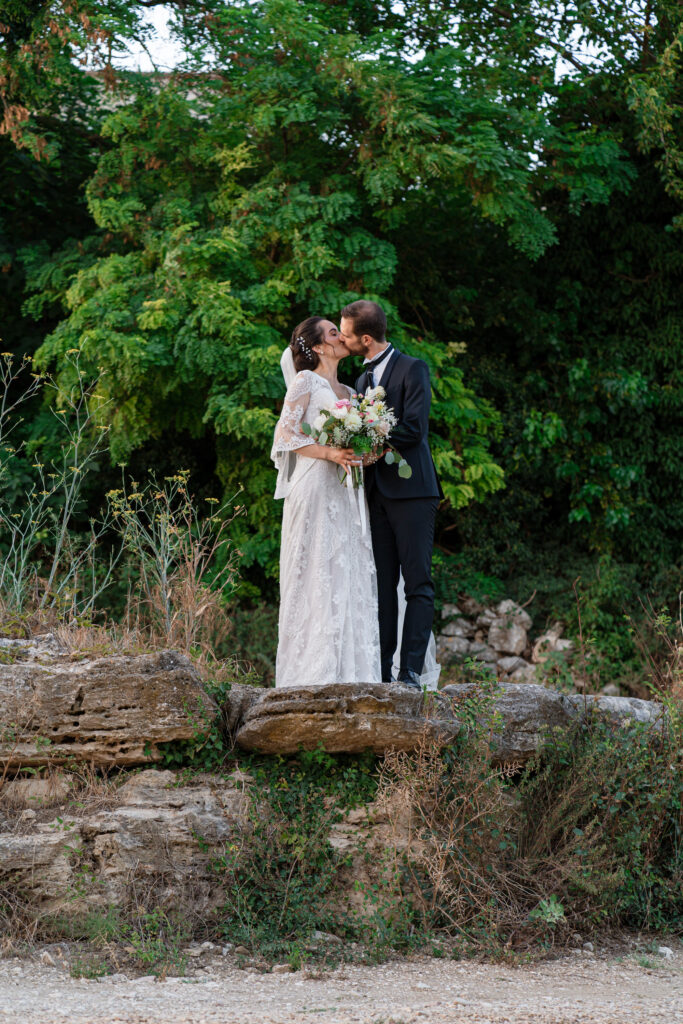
column 340, row 412
column 320, row 421
column 353, row 422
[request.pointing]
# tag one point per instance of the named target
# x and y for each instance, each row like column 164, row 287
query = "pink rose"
column 343, row 403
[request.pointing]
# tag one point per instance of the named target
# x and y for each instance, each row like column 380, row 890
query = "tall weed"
column 187, row 566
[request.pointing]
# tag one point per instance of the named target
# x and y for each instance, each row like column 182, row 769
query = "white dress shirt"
column 379, row 370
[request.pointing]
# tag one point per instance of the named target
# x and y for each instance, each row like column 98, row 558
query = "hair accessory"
column 303, row 347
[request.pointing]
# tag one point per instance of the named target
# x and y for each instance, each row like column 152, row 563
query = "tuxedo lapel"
column 393, row 359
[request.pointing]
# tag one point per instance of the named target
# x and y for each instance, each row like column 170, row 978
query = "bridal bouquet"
column 361, row 422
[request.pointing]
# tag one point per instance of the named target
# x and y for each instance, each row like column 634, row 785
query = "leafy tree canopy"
column 306, row 153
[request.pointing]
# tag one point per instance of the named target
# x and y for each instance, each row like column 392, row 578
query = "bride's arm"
column 289, row 436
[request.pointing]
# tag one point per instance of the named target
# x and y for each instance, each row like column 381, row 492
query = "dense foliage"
column 504, row 178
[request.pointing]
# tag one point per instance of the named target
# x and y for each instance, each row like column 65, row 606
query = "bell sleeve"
column 288, row 436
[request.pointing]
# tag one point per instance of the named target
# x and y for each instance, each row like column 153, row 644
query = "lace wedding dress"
column 328, row 628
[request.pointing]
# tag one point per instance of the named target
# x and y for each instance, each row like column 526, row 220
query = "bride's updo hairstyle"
column 304, row 337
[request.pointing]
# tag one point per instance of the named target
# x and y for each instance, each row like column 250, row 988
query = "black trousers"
column 402, row 542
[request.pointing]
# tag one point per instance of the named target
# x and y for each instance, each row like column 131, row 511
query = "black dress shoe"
column 411, row 679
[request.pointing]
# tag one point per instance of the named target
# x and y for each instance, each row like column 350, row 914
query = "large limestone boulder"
column 352, row 717
column 619, row 710
column 349, row 717
column 111, row 710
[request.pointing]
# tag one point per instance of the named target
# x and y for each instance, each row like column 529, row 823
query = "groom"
column 402, row 512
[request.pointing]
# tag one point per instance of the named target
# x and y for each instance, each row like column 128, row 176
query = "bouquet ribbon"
column 356, row 494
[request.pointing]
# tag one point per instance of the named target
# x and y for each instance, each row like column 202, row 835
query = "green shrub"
column 460, row 574
column 280, row 873
column 603, row 813
column 254, row 638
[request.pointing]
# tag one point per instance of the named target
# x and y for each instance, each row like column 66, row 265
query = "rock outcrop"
column 64, row 849
column 348, row 717
column 111, row 710
column 352, row 717
column 147, row 832
column 619, row 710
column 523, row 714
column 116, row 710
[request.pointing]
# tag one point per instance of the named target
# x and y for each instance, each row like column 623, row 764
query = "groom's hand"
column 371, row 459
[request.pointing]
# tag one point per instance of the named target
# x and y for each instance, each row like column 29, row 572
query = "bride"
column 328, row 628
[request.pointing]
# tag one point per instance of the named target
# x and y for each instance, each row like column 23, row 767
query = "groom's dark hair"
column 368, row 318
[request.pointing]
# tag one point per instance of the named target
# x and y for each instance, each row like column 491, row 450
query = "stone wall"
column 132, row 831
column 499, row 638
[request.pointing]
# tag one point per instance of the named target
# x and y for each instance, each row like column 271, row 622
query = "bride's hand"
column 345, row 457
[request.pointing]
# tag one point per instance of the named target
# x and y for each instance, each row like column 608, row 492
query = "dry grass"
column 12, row 734
column 75, row 789
column 452, row 830
column 19, row 924
column 139, row 635
column 102, row 640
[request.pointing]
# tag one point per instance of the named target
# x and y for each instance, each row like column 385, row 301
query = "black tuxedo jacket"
column 409, row 393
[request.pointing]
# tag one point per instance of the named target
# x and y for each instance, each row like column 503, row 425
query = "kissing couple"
column 346, row 596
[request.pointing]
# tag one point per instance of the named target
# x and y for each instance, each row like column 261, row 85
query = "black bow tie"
column 370, row 367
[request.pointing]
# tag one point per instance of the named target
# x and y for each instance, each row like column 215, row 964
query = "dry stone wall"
column 498, row 637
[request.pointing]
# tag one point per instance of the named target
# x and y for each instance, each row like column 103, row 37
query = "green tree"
column 466, row 163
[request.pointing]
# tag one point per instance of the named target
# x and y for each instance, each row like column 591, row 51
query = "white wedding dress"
column 328, row 627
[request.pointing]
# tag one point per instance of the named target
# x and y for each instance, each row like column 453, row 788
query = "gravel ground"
column 575, row 988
